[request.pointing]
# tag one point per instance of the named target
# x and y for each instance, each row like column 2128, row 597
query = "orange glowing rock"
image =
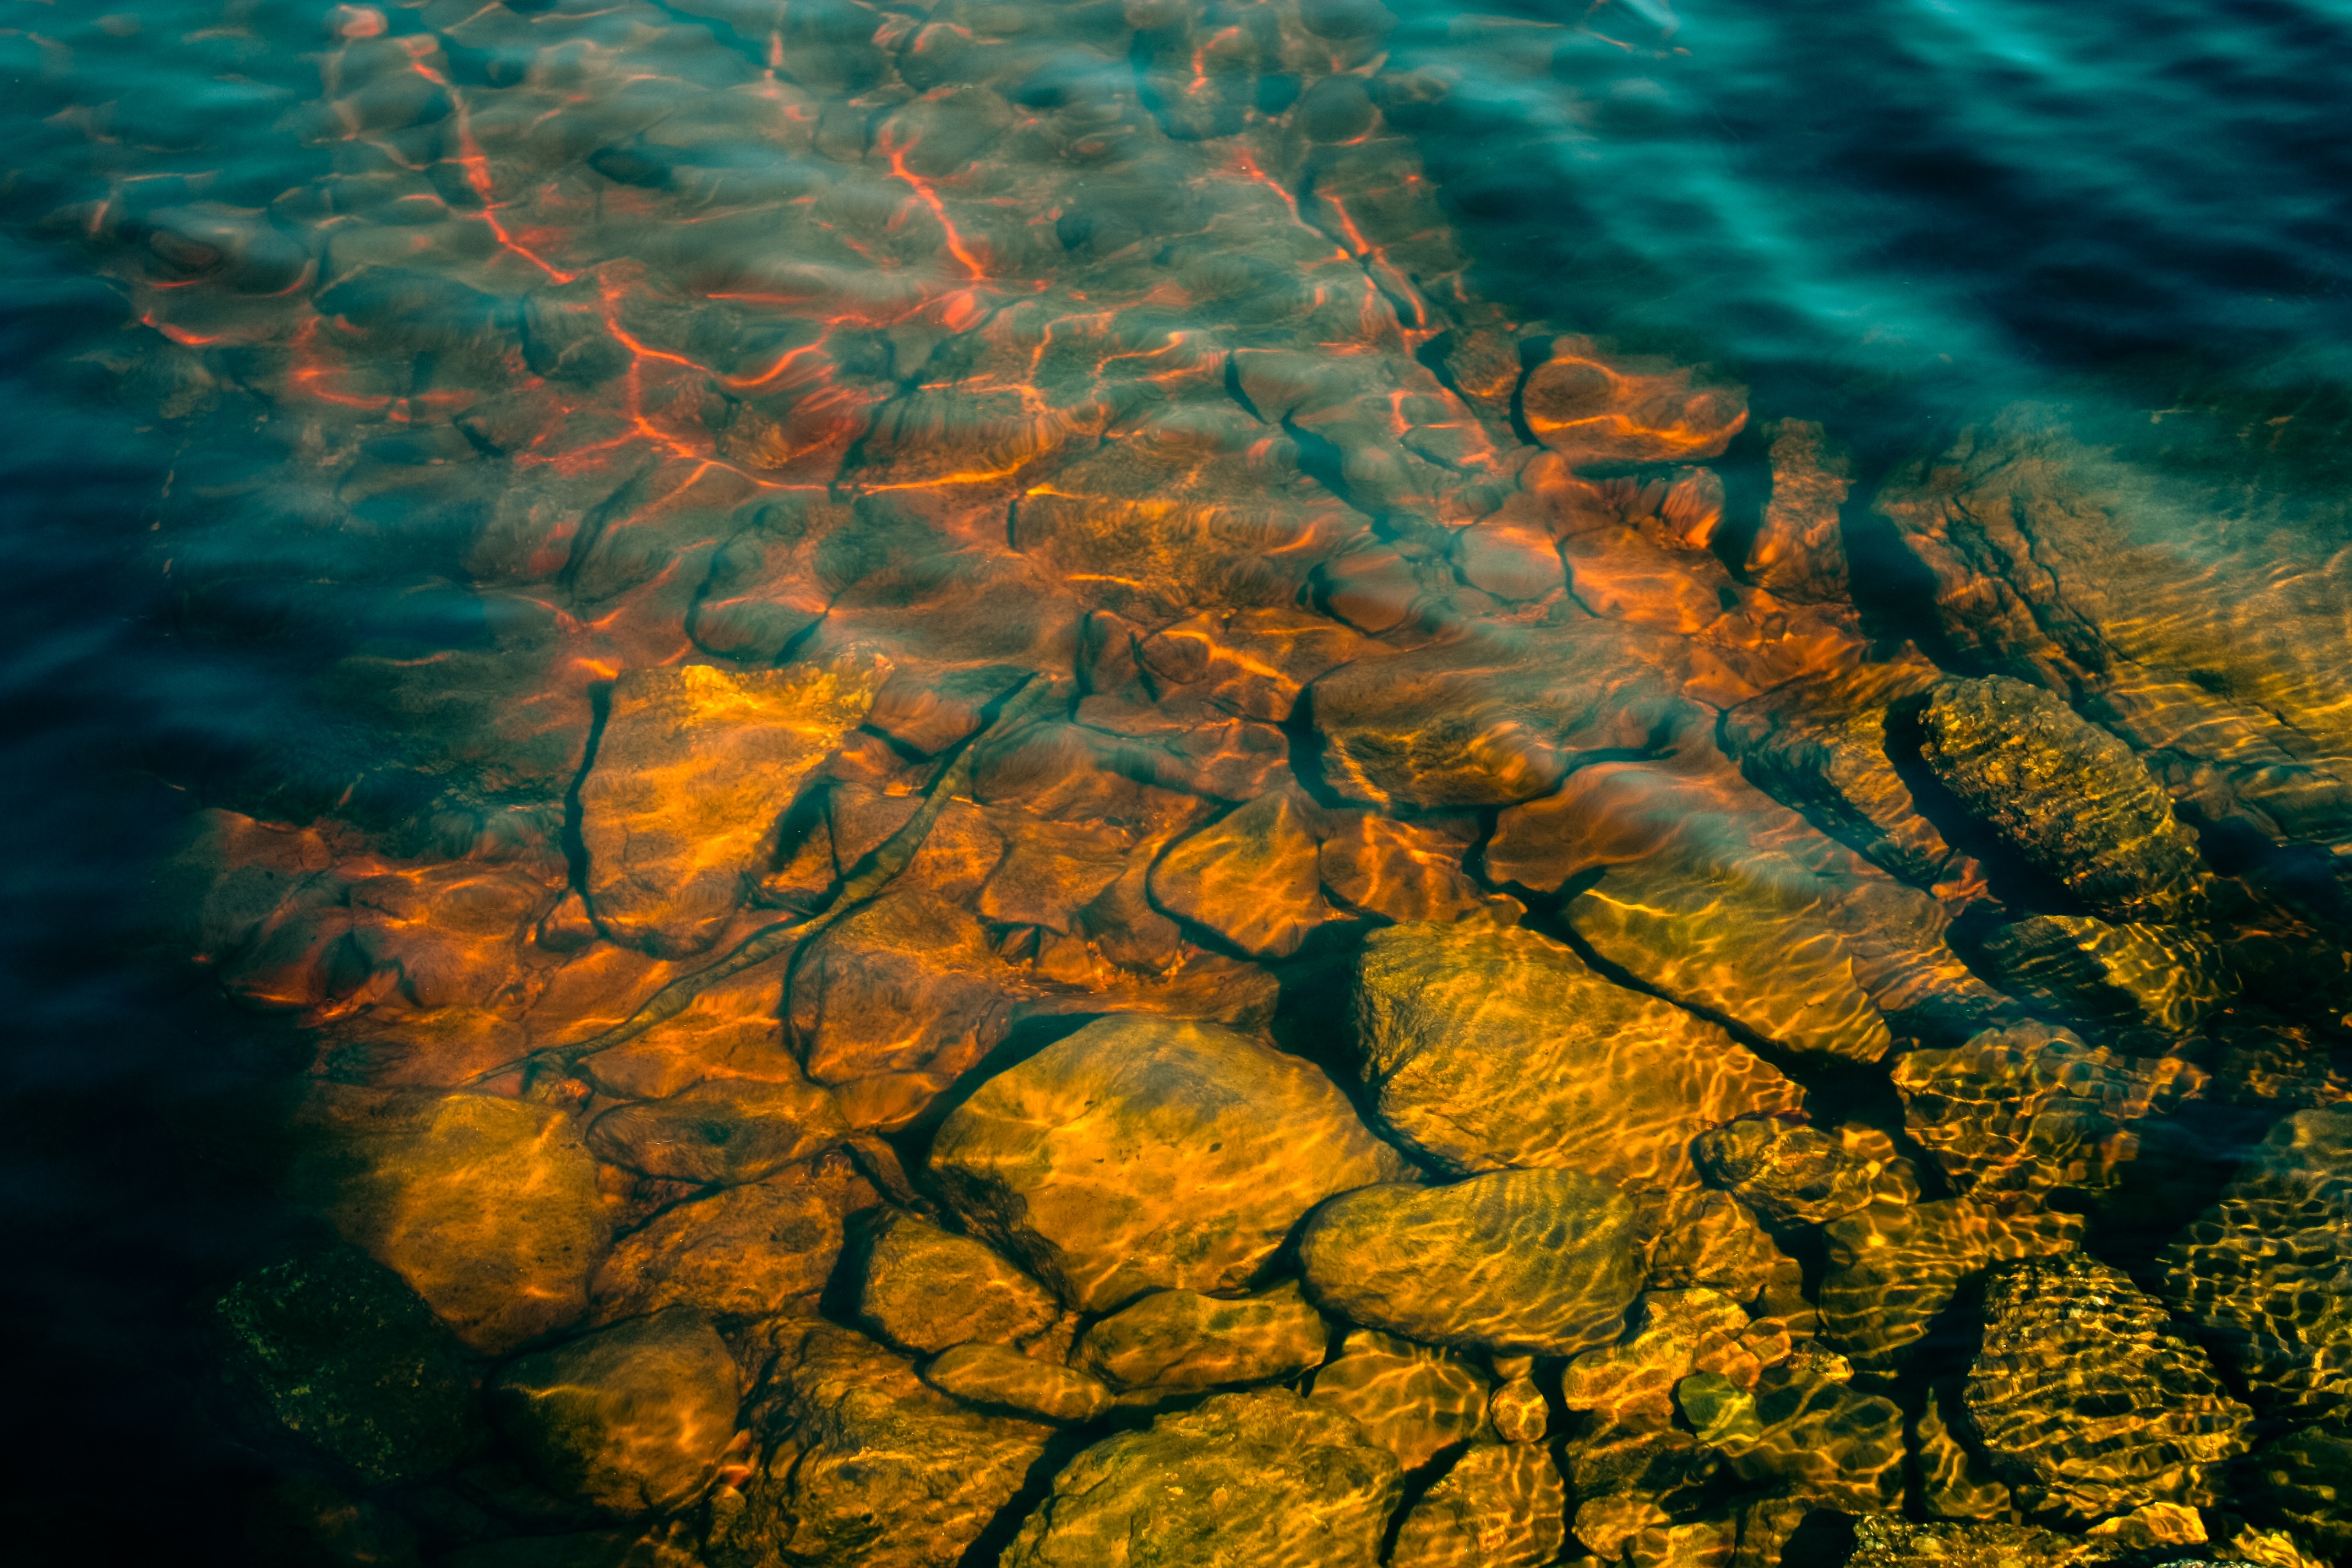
column 1509, row 560
column 748, row 1252
column 693, row 770
column 1147, row 1153
column 1799, row 554
column 1252, row 877
column 1401, row 871
column 1250, row 663
column 1592, row 406
column 1489, row 1049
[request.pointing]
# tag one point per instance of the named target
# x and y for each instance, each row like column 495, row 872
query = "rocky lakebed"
column 1039, row 852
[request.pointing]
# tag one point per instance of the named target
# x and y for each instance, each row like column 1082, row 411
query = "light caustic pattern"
column 872, row 529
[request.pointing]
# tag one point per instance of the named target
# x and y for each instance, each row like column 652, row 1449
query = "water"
column 386, row 383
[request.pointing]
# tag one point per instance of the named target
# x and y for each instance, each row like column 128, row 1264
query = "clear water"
column 239, row 243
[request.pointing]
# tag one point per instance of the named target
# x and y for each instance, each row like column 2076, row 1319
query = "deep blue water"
column 1892, row 215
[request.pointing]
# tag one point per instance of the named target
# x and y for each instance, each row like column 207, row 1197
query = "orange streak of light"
column 938, row 210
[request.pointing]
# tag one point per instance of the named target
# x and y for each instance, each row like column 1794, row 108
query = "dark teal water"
column 1888, row 216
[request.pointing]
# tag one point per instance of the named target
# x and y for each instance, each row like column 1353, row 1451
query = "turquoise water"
column 1892, row 219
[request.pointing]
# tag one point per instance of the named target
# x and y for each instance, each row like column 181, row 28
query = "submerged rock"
column 2158, row 977
column 722, row 1130
column 487, row 1207
column 2087, row 1398
column 1953, row 1482
column 998, row 1376
column 1675, row 1334
column 2068, row 796
column 1540, row 1262
column 1252, row 877
column 631, row 1419
column 2304, row 1481
column 2031, row 1108
column 1803, row 1427
column 1181, row 1339
column 1488, row 1048
column 1501, row 1506
column 1893, row 1268
column 1264, row 1477
column 693, row 770
column 864, row 1466
column 337, row 1351
column 924, row 1290
column 1413, row 1399
column 1143, row 1153
column 1795, row 1174
column 746, row 1252
column 2262, row 1273
column 1888, row 1541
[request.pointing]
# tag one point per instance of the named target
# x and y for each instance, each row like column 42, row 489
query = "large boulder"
column 864, row 1466
column 631, row 1419
column 1262, row 1477
column 487, row 1207
column 1488, row 1048
column 2088, row 1399
column 694, row 769
column 333, row 1348
column 1521, row 1262
column 1148, row 1154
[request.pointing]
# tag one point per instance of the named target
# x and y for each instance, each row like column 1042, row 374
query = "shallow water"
column 1478, row 554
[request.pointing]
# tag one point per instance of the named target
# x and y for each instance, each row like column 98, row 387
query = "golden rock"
column 2159, row 977
column 1414, row 1400
column 1143, row 1153
column 1488, row 1048
column 1675, row 1333
column 1181, row 1339
column 1795, row 1174
column 924, row 1290
column 1252, row 877
column 1000, row 1376
column 750, row 1251
column 723, row 1132
column 1893, row 1268
column 694, row 768
column 1538, row 1262
column 1500, row 1506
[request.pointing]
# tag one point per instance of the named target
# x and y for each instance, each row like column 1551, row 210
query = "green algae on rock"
column 1181, row 1339
column 1539, row 1262
column 1262, row 1476
column 2068, row 796
column 631, row 1419
column 2261, row 1274
column 334, row 1348
column 1413, row 1399
column 1490, row 1047
column 1145, row 1152
column 1502, row 1505
column 2088, row 1399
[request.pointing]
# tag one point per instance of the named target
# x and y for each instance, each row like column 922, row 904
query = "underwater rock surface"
column 1042, row 849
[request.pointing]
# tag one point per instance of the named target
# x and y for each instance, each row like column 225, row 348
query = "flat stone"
column 1501, row 1506
column 1592, row 404
column 1399, row 870
column 926, row 1289
column 1488, row 1048
column 1414, row 1400
column 2088, row 1399
column 750, row 1251
column 2066, row 795
column 694, row 769
column 334, row 1348
column 722, row 1132
column 487, row 1207
column 1539, row 1262
column 631, row 1419
column 1181, row 1339
column 864, row 1465
column 998, row 1376
column 1252, row 877
column 1262, row 1476
column 1144, row 1152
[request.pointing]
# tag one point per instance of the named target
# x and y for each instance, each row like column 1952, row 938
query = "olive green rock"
column 924, row 1290
column 1258, row 1477
column 1147, row 1153
column 723, row 1131
column 1503, row 1505
column 1181, row 1339
column 631, row 1419
column 1540, row 1262
column 1488, row 1048
column 487, row 1207
column 1001, row 1376
column 864, row 1466
column 1413, row 1399
column 2069, row 797
column 335, row 1350
column 2089, row 1400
